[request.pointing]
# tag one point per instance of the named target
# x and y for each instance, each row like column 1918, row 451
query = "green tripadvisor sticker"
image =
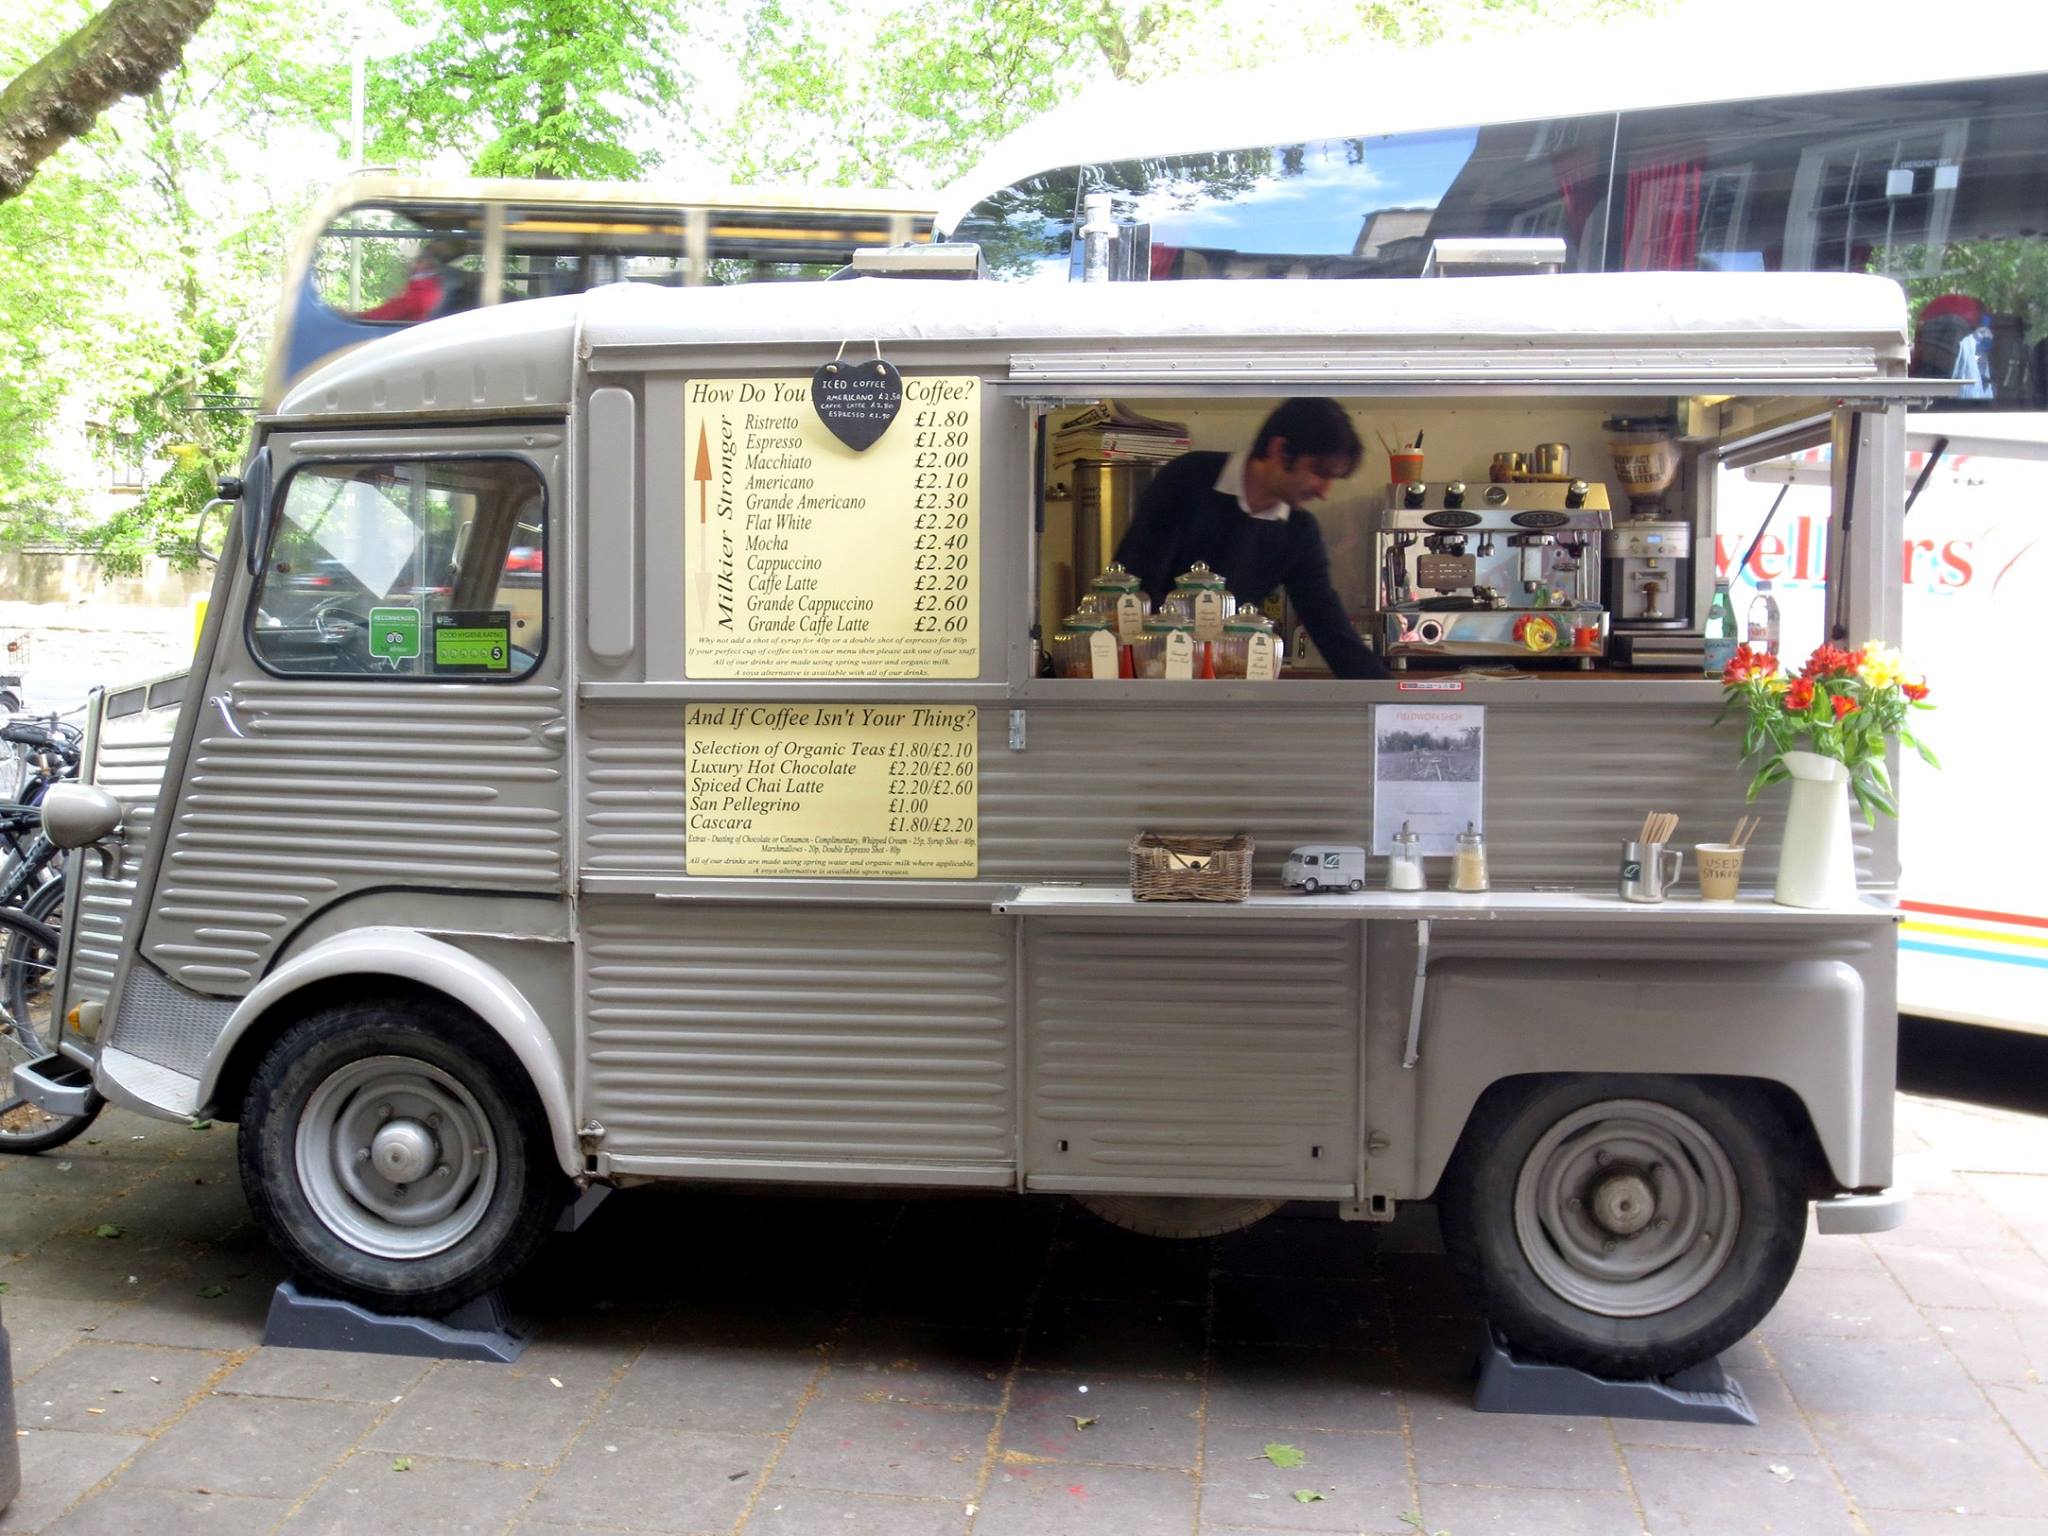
column 473, row 642
column 395, row 633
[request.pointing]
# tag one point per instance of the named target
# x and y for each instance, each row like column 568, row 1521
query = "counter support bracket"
column 1413, row 1052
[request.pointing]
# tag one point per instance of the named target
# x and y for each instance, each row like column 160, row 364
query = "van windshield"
column 408, row 569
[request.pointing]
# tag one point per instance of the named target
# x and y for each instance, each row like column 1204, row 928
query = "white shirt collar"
column 1230, row 481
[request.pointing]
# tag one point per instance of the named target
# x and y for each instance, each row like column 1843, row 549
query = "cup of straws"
column 1649, row 870
column 1720, row 864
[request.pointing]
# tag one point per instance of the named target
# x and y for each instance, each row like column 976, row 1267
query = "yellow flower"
column 1777, row 682
column 1880, row 666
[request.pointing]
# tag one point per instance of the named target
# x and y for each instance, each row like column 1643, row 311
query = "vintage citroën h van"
column 600, row 767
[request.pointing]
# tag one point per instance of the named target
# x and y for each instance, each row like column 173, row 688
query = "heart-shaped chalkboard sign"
column 857, row 401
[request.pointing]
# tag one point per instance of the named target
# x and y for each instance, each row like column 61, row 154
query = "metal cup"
column 1645, row 876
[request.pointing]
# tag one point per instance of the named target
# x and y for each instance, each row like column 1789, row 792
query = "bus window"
column 382, row 264
column 1352, row 207
column 405, row 569
column 1944, row 187
column 1026, row 231
column 381, row 253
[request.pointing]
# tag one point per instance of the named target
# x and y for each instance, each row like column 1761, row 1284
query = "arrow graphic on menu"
column 702, row 475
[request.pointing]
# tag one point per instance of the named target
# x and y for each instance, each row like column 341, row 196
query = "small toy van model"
column 1324, row 867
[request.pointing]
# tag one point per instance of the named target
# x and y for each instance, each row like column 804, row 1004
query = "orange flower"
column 1844, row 706
column 1829, row 660
column 1746, row 664
column 1916, row 691
column 1800, row 695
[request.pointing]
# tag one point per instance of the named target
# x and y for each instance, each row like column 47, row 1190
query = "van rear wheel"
column 394, row 1153
column 1630, row 1226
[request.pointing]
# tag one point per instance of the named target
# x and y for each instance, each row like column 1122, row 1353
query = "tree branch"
column 124, row 50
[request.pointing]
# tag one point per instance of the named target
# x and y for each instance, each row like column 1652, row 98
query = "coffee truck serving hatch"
column 748, row 843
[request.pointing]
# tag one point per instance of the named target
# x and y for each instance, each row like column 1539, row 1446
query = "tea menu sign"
column 806, row 556
column 860, row 790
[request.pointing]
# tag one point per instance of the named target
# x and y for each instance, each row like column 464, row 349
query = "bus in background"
column 1802, row 144
column 383, row 252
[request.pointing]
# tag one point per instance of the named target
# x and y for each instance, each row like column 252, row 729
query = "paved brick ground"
column 990, row 1367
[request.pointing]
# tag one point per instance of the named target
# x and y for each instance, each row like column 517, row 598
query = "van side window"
column 406, row 568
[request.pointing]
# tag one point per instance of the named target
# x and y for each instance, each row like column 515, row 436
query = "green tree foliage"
column 122, row 51
column 552, row 88
column 138, row 273
column 911, row 92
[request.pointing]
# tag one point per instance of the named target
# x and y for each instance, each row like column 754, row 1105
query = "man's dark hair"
column 1314, row 426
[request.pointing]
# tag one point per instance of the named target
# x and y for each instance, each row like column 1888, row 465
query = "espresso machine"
column 1499, row 572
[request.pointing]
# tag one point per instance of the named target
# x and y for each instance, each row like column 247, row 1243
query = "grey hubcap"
column 1627, row 1208
column 396, row 1157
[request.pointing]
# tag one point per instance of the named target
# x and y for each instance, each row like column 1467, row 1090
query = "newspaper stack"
column 1111, row 433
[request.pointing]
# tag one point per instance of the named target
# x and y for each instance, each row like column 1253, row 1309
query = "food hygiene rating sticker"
column 478, row 641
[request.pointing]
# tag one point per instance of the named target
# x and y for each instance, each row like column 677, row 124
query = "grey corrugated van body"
column 521, row 822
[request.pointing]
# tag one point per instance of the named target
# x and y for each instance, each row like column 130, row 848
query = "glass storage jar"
column 1073, row 648
column 1148, row 654
column 1127, row 605
column 1209, row 603
column 1233, row 651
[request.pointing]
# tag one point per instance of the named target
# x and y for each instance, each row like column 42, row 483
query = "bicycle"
column 28, row 1032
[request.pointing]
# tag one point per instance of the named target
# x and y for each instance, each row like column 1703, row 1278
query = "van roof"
column 1679, row 326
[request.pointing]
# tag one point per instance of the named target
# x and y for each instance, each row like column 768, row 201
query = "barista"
column 1244, row 514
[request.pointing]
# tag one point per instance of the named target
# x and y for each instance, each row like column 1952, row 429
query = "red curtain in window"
column 1578, row 185
column 1661, row 228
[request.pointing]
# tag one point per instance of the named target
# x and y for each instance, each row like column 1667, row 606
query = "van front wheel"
column 394, row 1153
column 1630, row 1226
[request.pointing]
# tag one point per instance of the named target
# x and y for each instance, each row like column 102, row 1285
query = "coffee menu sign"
column 806, row 556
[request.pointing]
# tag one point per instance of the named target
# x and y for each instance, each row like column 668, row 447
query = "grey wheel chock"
column 1508, row 1383
column 483, row 1329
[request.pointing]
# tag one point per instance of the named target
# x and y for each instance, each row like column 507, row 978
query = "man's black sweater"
column 1183, row 518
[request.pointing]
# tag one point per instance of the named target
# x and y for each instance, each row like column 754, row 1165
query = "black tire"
column 1311, row 885
column 45, row 904
column 1178, row 1216
column 1518, row 1209
column 1357, row 885
column 28, row 958
column 339, row 1220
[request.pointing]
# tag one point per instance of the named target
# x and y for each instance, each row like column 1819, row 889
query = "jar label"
column 1130, row 618
column 1102, row 653
column 1258, row 659
column 1208, row 615
column 1180, row 654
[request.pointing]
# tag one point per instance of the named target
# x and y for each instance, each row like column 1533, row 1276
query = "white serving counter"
column 1053, row 900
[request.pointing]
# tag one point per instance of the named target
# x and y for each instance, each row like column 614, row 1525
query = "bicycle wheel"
column 28, row 1032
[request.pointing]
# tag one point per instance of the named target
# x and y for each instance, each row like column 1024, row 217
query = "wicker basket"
column 1167, row 868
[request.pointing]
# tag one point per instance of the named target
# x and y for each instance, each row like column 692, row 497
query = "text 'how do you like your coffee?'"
column 806, row 557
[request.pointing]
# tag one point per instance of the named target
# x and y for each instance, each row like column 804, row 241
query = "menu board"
column 806, row 558
column 832, row 789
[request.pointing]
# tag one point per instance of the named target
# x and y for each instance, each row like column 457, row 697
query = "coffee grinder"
column 1648, row 567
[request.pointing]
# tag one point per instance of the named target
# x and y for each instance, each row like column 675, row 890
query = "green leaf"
column 1307, row 1496
column 5, row 1287
column 202, row 1125
column 212, row 1292
column 1919, row 746
column 401, row 1463
column 108, row 1229
column 1081, row 1420
column 1283, row 1455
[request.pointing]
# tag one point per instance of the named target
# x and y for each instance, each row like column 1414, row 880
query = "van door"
column 383, row 718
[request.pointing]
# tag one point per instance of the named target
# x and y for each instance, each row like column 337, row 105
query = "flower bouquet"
column 1825, row 731
column 1845, row 706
